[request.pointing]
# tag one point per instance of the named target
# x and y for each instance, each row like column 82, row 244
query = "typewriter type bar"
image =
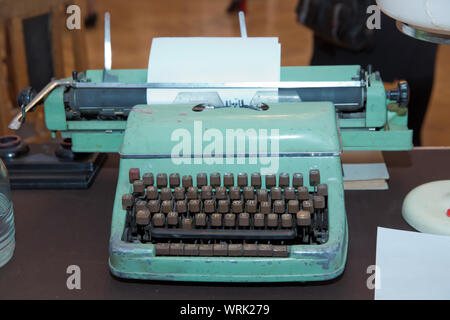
column 224, row 215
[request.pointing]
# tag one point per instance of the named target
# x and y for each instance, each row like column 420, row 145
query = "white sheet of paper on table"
column 212, row 60
column 412, row 265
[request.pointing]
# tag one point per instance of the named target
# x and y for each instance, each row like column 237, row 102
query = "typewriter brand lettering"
column 193, row 310
column 373, row 281
column 374, row 20
column 74, row 20
column 207, row 147
column 74, row 280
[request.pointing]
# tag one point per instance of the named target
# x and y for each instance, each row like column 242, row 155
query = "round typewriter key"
column 262, row 195
column 138, row 187
column 303, row 193
column 251, row 206
column 235, row 193
column 143, row 217
column 141, row 205
column 152, row 193
column 303, row 218
column 265, row 207
column 237, row 206
column 205, row 250
column 181, row 206
column 153, row 206
column 202, row 180
column 161, row 180
column 256, row 180
column 280, row 251
column 314, row 177
column 319, row 202
column 272, row 220
column 250, row 250
column 286, row 220
column 166, row 194
column 265, row 250
column 258, row 220
column 178, row 193
column 200, row 220
column 194, row 206
column 134, row 174
column 186, row 223
column 228, row 180
column 322, row 190
column 158, row 220
column 209, row 206
column 192, row 193
column 297, row 180
column 221, row 193
column 242, row 180
column 279, row 206
column 148, row 179
column 191, row 249
column 172, row 218
column 244, row 219
column 127, row 201
column 207, row 193
column 216, row 219
column 230, row 220
column 289, row 194
column 214, row 179
column 283, row 180
column 249, row 193
column 220, row 249
column 235, row 249
column 166, row 206
column 223, row 206
column 293, row 206
column 271, row 181
column 308, row 206
column 162, row 249
column 176, row 249
column 276, row 193
column 186, row 181
column 174, row 180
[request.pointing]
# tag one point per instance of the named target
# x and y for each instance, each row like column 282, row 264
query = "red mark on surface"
column 448, row 213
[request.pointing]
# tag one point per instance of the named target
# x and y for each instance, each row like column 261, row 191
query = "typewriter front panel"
column 273, row 217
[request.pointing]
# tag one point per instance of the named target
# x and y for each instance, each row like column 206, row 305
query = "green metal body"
column 145, row 142
column 376, row 129
column 302, row 128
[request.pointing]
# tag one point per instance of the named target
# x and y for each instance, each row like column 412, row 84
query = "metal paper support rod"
column 242, row 25
column 220, row 85
column 108, row 53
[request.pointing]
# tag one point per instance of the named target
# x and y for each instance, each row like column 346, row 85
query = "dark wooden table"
column 58, row 228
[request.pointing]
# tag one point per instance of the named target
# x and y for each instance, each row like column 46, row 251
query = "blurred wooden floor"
column 135, row 22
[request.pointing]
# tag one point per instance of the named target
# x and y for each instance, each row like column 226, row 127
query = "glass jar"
column 7, row 241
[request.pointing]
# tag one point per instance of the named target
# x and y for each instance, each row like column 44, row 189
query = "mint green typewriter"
column 228, row 193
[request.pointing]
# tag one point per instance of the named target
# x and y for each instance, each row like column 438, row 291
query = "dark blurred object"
column 341, row 23
column 52, row 165
column 394, row 54
column 38, row 48
column 91, row 20
column 236, row 6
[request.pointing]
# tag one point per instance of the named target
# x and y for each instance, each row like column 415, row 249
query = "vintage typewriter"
column 242, row 215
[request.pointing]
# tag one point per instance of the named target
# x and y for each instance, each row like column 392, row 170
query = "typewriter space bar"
column 223, row 234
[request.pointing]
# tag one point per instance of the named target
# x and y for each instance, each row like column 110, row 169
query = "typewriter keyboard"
column 224, row 215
